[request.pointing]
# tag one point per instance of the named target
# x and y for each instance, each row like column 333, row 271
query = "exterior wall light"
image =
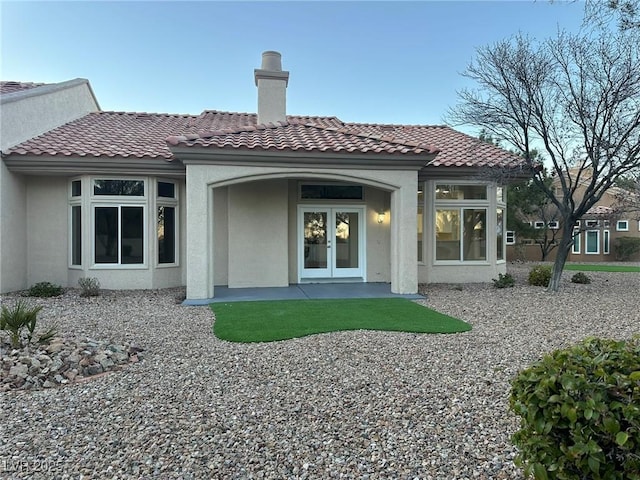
column 381, row 216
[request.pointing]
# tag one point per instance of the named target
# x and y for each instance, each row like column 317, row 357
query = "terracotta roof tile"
column 12, row 87
column 150, row 135
column 296, row 135
column 456, row 148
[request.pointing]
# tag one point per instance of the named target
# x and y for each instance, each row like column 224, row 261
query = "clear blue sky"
column 384, row 62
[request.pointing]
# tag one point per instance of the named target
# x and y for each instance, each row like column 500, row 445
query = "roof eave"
column 190, row 155
column 76, row 165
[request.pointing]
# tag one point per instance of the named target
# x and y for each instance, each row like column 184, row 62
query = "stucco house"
column 595, row 234
column 144, row 200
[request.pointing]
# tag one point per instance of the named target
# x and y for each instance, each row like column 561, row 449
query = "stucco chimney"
column 272, row 88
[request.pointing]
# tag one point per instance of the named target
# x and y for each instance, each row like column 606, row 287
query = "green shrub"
column 581, row 277
column 580, row 412
column 626, row 247
column 45, row 289
column 20, row 322
column 504, row 281
column 540, row 276
column 90, row 287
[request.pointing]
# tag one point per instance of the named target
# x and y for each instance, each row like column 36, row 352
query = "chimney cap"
column 272, row 61
column 271, row 68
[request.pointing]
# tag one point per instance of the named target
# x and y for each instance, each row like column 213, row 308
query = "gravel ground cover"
column 340, row 405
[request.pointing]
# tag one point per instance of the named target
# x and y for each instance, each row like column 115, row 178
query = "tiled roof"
column 456, row 148
column 600, row 210
column 150, row 135
column 12, row 87
column 297, row 135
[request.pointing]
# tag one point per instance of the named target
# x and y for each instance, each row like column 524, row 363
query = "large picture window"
column 466, row 240
column 119, row 235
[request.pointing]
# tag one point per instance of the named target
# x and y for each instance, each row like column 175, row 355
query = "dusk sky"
column 383, row 62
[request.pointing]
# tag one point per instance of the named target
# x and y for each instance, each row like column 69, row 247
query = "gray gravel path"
column 341, row 405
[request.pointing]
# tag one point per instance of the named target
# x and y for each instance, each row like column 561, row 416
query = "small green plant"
column 504, row 281
column 89, row 287
column 580, row 278
column 626, row 247
column 45, row 289
column 580, row 412
column 20, row 322
column 540, row 276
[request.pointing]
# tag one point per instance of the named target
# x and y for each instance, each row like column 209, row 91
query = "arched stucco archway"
column 204, row 180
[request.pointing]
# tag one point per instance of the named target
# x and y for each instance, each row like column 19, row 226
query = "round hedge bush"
column 580, row 412
column 540, row 276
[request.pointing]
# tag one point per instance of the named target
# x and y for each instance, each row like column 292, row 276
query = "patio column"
column 404, row 231
column 199, row 237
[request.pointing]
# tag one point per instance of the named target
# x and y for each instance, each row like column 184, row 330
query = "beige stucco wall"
column 258, row 222
column 47, row 230
column 13, row 231
column 221, row 235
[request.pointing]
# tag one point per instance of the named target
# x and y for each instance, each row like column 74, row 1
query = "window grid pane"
column 106, row 235
column 447, row 234
column 132, row 240
column 475, row 224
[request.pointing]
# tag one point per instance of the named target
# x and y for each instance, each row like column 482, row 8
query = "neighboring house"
column 142, row 200
column 595, row 233
column 26, row 111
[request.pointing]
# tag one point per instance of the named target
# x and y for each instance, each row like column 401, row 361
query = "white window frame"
column 76, row 202
column 591, row 223
column 586, row 242
column 120, row 201
column 553, row 225
column 538, row 225
column 620, row 228
column 606, row 242
column 575, row 248
column 486, row 204
column 606, row 223
column 167, row 202
column 512, row 234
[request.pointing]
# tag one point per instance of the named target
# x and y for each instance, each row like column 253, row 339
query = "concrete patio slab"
column 302, row 292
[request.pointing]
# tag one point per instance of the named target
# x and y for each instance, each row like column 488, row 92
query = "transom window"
column 461, row 192
column 128, row 188
column 311, row 191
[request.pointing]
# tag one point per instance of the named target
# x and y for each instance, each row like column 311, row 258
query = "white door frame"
column 332, row 272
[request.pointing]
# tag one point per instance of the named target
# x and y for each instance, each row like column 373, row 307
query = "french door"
column 331, row 242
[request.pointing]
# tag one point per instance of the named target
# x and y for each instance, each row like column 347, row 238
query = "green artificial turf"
column 267, row 321
column 601, row 268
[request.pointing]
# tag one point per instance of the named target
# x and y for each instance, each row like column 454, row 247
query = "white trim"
column 575, row 248
column 622, row 229
column 553, row 225
column 145, row 237
column 538, row 225
column 512, row 234
column 167, row 202
column 591, row 223
column 606, row 242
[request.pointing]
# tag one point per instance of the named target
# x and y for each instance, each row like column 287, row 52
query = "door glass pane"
column 315, row 240
column 346, row 243
column 106, row 235
column 132, row 235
